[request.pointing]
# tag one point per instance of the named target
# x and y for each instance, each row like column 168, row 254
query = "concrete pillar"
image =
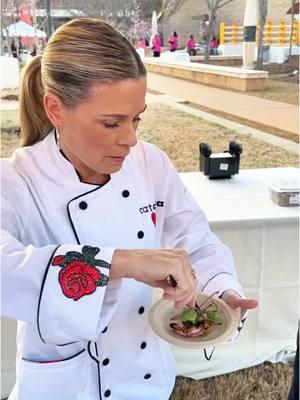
column 249, row 44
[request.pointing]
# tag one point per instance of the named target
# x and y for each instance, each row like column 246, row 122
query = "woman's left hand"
column 232, row 298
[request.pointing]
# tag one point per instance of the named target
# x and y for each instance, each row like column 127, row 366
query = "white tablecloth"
column 263, row 238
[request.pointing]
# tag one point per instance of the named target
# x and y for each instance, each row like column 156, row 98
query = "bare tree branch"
column 213, row 6
column 224, row 4
column 169, row 8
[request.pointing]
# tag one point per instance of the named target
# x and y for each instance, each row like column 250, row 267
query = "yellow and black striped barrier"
column 274, row 34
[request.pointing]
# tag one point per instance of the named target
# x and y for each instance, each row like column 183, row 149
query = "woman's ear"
column 54, row 108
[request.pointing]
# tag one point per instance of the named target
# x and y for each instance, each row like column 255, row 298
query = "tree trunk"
column 263, row 10
column 260, row 50
column 49, row 20
column 211, row 27
column 292, row 32
column 213, row 6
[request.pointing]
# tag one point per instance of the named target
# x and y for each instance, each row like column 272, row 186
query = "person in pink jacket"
column 173, row 42
column 156, row 46
column 190, row 46
column 214, row 46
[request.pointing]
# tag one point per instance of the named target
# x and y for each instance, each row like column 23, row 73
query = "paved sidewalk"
column 285, row 144
column 274, row 114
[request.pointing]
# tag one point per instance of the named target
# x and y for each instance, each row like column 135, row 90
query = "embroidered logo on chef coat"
column 151, row 208
column 79, row 275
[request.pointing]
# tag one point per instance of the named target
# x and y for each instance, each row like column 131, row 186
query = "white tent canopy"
column 22, row 29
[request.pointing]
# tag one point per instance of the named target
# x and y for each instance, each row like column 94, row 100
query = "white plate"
column 162, row 311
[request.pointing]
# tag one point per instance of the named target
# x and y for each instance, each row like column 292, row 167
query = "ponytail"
column 35, row 124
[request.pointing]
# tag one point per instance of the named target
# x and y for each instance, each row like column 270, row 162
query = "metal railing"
column 273, row 34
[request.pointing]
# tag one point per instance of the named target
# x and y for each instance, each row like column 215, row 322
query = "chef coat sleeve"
column 186, row 227
column 65, row 289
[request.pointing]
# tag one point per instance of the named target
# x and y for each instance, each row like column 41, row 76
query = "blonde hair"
column 80, row 53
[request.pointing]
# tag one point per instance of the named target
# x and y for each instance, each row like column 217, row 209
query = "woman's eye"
column 116, row 124
column 111, row 126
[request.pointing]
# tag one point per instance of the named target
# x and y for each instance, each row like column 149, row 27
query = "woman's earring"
column 57, row 137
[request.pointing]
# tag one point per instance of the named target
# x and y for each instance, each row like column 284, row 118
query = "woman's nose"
column 128, row 136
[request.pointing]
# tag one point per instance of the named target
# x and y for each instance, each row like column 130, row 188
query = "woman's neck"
column 85, row 174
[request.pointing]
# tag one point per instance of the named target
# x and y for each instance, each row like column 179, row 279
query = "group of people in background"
column 173, row 44
column 156, row 43
column 191, row 46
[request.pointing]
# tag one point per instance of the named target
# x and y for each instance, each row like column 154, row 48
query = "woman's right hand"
column 152, row 267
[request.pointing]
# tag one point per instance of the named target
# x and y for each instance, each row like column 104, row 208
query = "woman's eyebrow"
column 121, row 115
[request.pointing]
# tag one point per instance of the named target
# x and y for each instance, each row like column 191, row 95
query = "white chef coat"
column 97, row 344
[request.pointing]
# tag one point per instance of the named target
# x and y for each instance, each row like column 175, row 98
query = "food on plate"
column 197, row 321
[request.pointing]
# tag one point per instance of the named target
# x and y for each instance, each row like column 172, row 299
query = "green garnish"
column 214, row 316
column 196, row 315
column 190, row 315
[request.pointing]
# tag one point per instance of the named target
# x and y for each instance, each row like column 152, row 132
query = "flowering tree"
column 140, row 27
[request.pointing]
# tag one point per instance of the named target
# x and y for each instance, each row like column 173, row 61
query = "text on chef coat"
column 151, row 207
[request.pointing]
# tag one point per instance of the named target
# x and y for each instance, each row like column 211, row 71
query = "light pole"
column 249, row 44
column 49, row 22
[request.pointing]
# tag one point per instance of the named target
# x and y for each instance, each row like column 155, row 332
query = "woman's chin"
column 114, row 168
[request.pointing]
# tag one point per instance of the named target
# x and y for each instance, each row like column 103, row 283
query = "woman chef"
column 92, row 219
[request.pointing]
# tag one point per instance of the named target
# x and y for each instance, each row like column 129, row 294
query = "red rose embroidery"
column 80, row 275
column 78, row 279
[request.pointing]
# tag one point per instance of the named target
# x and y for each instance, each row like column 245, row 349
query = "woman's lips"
column 117, row 159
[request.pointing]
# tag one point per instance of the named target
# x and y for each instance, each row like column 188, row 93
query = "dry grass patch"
column 10, row 139
column 264, row 382
column 9, row 142
column 179, row 134
column 276, row 90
